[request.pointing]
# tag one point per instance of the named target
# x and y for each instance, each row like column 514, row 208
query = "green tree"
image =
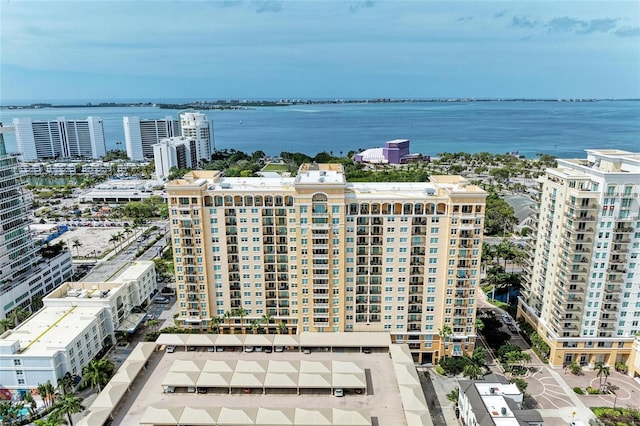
column 479, row 356
column 454, row 395
column 76, row 244
column 53, row 419
column 472, row 371
column 31, row 403
column 214, row 324
column 282, row 328
column 69, row 404
column 10, row 411
column 255, row 326
column 66, row 383
column 267, row 319
column 602, row 371
column 499, row 216
column 97, row 373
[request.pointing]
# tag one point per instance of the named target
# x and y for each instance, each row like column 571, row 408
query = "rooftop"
column 52, row 329
column 383, row 401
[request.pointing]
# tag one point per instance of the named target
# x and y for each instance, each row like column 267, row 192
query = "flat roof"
column 307, row 339
column 50, row 329
column 383, row 402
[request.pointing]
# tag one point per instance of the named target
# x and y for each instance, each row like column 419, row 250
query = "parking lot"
column 383, row 400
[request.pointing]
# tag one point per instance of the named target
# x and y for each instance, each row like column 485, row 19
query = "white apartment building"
column 320, row 254
column 141, row 134
column 194, row 125
column 24, row 273
column 494, row 402
column 582, row 288
column 60, row 138
column 177, row 152
column 77, row 320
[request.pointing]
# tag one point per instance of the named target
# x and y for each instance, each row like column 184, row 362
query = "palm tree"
column 69, row 404
column 153, row 324
column 472, row 371
column 454, row 395
column 214, row 325
column 227, row 317
column 50, row 391
column 266, row 319
column 114, row 239
column 36, row 303
column 255, row 326
column 76, row 244
column 97, row 373
column 444, row 334
column 601, row 371
column 6, row 324
column 18, row 315
column 33, row 406
column 282, row 327
column 10, row 411
column 53, row 419
column 66, row 383
column 241, row 313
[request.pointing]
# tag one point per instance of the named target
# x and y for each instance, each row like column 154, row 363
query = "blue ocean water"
column 562, row 129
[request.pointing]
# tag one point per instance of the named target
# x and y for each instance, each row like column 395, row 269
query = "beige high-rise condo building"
column 317, row 253
column 582, row 285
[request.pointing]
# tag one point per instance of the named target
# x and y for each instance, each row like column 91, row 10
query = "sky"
column 203, row 50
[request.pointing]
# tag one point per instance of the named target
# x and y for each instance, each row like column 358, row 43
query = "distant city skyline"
column 54, row 51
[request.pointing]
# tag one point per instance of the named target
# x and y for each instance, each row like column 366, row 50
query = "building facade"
column 179, row 152
column 316, row 253
column 24, row 272
column 77, row 320
column 141, row 134
column 195, row 126
column 582, row 286
column 60, row 138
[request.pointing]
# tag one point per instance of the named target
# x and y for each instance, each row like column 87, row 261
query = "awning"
column 131, row 322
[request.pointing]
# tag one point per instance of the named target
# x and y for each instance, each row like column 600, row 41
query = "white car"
column 171, row 349
column 279, row 348
column 338, row 392
column 506, row 318
column 171, row 389
column 248, row 349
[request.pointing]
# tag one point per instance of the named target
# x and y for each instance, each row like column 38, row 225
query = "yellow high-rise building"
column 582, row 287
column 317, row 253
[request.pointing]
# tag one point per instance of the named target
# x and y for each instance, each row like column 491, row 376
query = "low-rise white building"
column 78, row 319
column 493, row 401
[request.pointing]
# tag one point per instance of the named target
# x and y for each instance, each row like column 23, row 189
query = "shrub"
column 440, row 370
column 578, row 390
column 621, row 367
column 575, row 368
column 593, row 391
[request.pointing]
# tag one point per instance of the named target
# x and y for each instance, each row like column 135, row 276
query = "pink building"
column 394, row 152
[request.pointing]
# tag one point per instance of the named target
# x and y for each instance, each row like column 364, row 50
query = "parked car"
column 279, row 348
column 306, row 351
column 171, row 349
column 248, row 348
column 366, row 350
column 338, row 392
column 210, row 349
column 202, row 390
column 171, row 389
column 191, row 389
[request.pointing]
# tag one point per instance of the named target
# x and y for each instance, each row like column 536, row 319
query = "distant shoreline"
column 244, row 104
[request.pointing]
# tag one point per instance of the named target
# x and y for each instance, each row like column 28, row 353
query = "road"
column 128, row 254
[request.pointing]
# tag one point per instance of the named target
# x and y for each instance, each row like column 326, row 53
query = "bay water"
column 561, row 129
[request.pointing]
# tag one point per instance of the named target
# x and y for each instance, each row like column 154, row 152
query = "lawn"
column 273, row 167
